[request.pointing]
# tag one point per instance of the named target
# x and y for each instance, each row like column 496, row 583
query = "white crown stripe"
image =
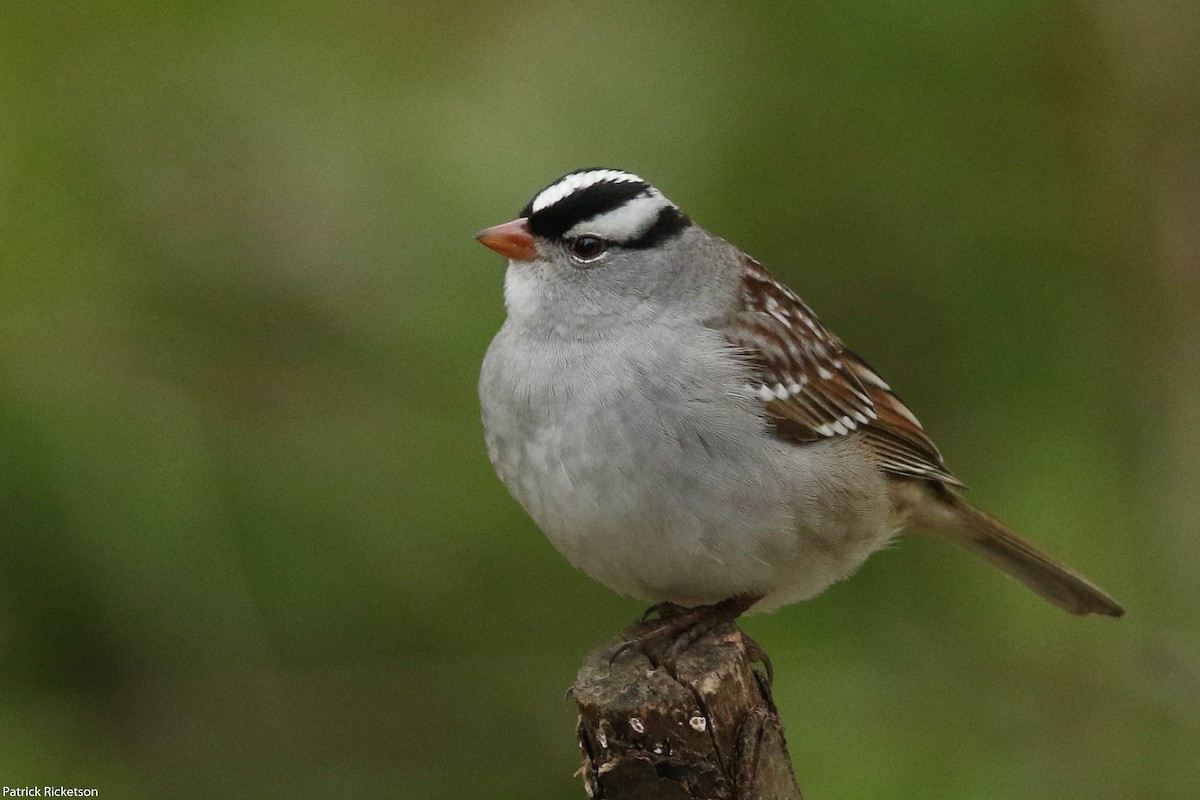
column 626, row 222
column 579, row 180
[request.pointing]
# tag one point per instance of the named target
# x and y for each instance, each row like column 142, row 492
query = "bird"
column 684, row 430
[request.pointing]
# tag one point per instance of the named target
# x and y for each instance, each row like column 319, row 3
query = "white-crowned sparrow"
column 684, row 430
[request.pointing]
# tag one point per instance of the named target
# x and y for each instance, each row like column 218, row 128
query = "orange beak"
column 511, row 239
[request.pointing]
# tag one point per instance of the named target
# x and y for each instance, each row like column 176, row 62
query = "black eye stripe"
column 669, row 223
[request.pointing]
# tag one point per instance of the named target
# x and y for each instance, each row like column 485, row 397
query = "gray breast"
column 642, row 462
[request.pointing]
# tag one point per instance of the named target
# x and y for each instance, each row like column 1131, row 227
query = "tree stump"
column 706, row 729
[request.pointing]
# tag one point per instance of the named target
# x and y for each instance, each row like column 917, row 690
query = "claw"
column 624, row 647
column 755, row 652
column 665, row 610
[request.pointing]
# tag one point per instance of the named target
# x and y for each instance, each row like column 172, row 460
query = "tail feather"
column 950, row 517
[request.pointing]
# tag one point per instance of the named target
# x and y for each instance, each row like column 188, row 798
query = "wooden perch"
column 709, row 730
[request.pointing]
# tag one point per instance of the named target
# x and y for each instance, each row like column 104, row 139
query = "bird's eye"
column 587, row 248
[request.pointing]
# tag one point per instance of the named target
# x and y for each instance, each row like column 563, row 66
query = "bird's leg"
column 677, row 628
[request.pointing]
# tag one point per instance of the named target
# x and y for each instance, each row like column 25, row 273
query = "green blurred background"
column 250, row 543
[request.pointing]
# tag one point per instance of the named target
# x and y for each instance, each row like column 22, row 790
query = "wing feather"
column 815, row 387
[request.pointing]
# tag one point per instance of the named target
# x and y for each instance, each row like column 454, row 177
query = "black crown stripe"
column 581, row 205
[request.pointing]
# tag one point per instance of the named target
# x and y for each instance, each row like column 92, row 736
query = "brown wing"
column 815, row 387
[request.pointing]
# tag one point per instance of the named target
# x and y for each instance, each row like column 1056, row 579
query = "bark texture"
column 705, row 728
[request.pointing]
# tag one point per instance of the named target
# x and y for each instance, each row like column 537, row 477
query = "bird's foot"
column 664, row 610
column 676, row 628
